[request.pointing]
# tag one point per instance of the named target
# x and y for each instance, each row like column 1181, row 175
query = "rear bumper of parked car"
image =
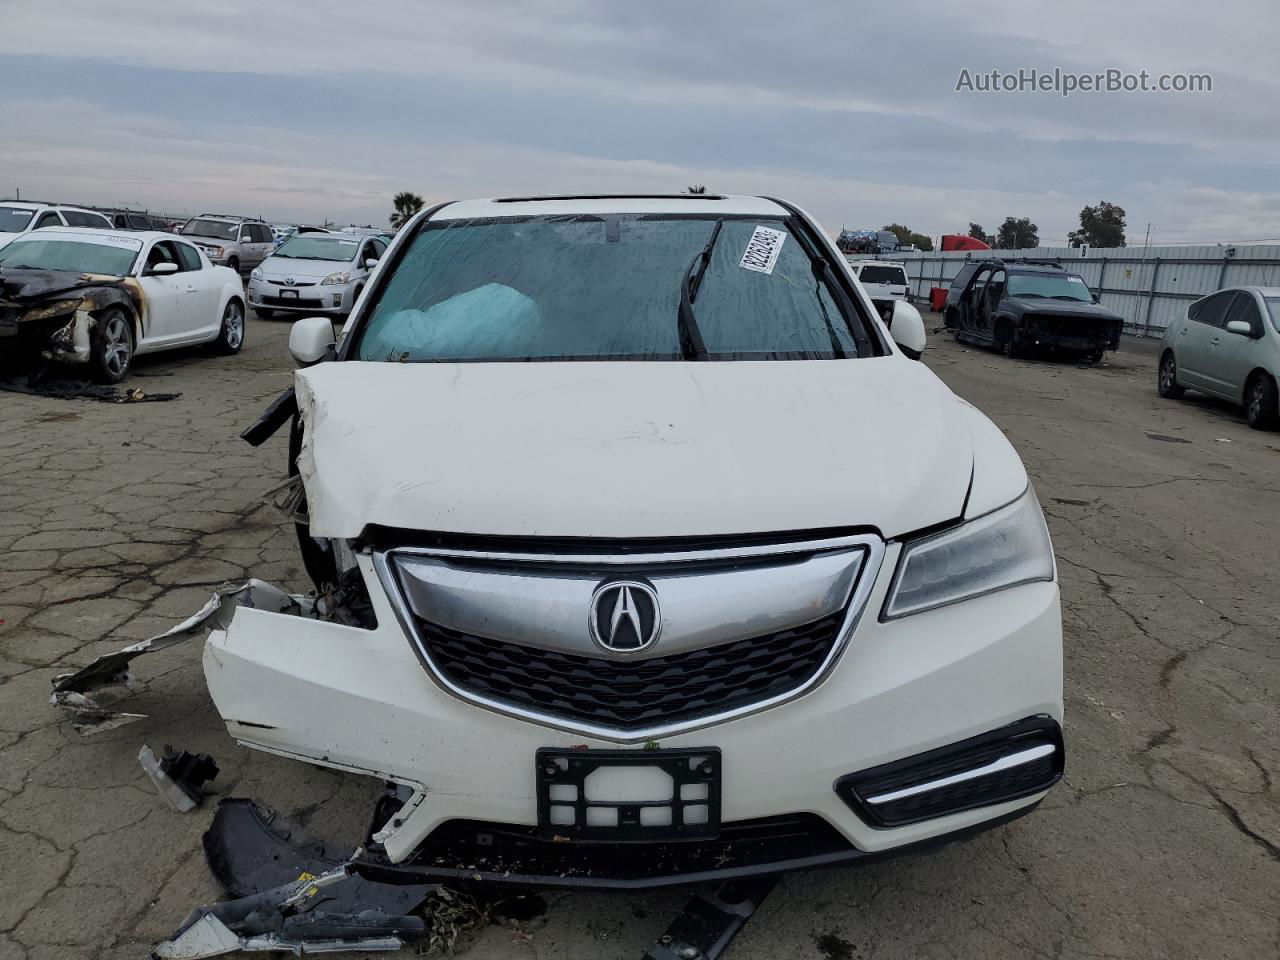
column 926, row 684
column 318, row 299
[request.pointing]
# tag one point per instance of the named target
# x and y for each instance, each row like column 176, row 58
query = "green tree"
column 406, row 205
column 1100, row 226
column 976, row 231
column 1017, row 233
column 907, row 238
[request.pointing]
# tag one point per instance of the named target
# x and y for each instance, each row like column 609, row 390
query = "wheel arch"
column 1249, row 380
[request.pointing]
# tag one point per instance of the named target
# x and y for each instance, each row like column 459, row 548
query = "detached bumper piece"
column 1013, row 762
column 292, row 895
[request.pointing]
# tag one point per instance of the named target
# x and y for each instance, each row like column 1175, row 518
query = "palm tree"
column 406, row 204
column 697, row 188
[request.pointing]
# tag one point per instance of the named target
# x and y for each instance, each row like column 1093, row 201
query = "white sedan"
column 101, row 297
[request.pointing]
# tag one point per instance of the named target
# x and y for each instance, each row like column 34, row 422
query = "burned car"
column 643, row 554
column 1020, row 307
column 97, row 298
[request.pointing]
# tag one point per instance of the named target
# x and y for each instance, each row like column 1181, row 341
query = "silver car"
column 228, row 241
column 314, row 273
column 1227, row 345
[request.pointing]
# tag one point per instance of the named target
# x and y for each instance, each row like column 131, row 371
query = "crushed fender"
column 180, row 777
column 291, row 894
column 87, row 716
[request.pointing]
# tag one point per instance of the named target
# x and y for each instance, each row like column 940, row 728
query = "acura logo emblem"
column 624, row 616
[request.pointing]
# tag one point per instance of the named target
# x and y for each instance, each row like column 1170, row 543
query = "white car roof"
column 601, row 204
column 878, row 263
column 95, row 234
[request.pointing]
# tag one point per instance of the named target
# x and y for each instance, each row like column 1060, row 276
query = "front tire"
column 111, row 346
column 1167, row 377
column 1260, row 403
column 231, row 336
column 234, row 264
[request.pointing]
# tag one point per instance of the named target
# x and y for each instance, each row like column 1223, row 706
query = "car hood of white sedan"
column 281, row 268
column 628, row 450
column 6, row 237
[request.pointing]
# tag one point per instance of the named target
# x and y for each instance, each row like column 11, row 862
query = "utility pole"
column 1147, row 241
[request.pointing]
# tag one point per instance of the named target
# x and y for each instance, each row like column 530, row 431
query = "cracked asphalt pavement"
column 1164, row 841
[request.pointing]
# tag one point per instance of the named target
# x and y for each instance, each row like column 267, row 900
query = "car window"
column 379, row 248
column 1049, row 286
column 984, row 274
column 139, row 222
column 1273, row 308
column 1245, row 308
column 317, row 246
column 120, row 221
column 1213, row 308
column 213, row 229
column 47, row 219
column 875, row 273
column 82, row 218
column 190, row 259
column 162, row 252
column 113, row 257
column 962, row 278
column 588, row 287
column 14, row 219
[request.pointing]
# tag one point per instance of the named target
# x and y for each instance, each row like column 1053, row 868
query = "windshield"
column 1273, row 308
column 306, row 246
column 14, row 219
column 1055, row 286
column 217, row 229
column 114, row 258
column 882, row 275
column 604, row 288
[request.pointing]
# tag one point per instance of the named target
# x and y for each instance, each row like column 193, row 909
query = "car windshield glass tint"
column 1273, row 308
column 1049, row 285
column 602, row 288
column 216, row 229
column 115, row 259
column 882, row 275
column 14, row 219
column 310, row 247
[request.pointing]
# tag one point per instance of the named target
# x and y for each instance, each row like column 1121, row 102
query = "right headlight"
column 1001, row 549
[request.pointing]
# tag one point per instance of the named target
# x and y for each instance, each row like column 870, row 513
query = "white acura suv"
column 646, row 555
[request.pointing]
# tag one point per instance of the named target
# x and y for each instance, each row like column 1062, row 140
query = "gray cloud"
column 311, row 109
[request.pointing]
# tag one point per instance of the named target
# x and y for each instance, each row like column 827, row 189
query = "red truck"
column 959, row 241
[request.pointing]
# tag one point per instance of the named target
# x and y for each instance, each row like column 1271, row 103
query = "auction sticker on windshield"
column 762, row 250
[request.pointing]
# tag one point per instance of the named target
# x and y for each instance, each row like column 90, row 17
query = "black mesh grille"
column 623, row 694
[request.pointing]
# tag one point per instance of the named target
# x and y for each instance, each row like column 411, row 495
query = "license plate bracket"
column 289, row 294
column 692, row 812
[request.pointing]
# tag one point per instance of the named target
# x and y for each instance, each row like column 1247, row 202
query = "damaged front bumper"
column 56, row 331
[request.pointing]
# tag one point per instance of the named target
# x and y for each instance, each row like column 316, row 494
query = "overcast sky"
column 313, row 109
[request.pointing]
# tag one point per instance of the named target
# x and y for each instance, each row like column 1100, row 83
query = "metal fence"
column 1148, row 286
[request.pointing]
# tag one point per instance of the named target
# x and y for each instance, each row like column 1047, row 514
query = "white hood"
column 627, row 450
column 6, row 237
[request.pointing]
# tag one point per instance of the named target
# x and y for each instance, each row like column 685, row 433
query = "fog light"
column 1016, row 761
column 337, row 299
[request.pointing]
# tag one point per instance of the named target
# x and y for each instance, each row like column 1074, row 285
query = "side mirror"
column 370, row 263
column 311, row 340
column 1241, row 327
column 906, row 326
column 163, row 269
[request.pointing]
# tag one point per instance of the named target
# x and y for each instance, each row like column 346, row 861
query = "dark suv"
column 1025, row 306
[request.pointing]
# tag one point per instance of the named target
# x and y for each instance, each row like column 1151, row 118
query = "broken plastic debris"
column 179, row 776
column 290, row 894
column 110, row 669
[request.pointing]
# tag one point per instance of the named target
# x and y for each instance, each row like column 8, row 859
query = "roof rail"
column 613, row 196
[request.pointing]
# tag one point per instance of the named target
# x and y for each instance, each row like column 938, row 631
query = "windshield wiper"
column 692, row 345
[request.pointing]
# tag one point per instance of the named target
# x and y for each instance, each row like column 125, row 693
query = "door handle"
column 192, row 290
column 1182, row 332
column 1213, row 342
